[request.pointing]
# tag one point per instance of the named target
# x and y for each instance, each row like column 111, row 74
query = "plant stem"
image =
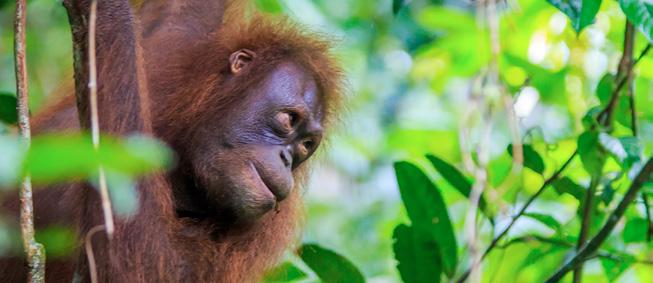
column 521, row 212
column 95, row 120
column 590, row 248
column 586, row 219
column 34, row 251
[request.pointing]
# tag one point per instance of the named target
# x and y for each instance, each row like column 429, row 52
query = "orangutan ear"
column 239, row 59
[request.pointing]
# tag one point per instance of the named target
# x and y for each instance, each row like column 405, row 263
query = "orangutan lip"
column 258, row 174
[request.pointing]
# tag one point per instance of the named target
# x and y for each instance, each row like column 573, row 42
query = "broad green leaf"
column 8, row 112
column 614, row 268
column 270, row 6
column 59, row 242
column 329, row 266
column 532, row 159
column 626, row 150
column 418, row 259
column 640, row 13
column 591, row 153
column 580, row 12
column 590, row 121
column 61, row 158
column 397, row 5
column 566, row 185
column 286, row 272
column 547, row 220
column 604, row 89
column 458, row 181
column 635, row 230
column 427, row 211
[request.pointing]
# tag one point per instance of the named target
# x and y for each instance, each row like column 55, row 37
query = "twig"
column 521, row 212
column 560, row 242
column 625, row 70
column 609, row 225
column 586, row 219
column 624, row 74
column 634, row 128
column 95, row 124
column 34, row 251
column 88, row 246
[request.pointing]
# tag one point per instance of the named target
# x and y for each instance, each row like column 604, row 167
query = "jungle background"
column 447, row 99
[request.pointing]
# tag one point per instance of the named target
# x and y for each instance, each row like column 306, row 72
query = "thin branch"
column 90, row 256
column 563, row 243
column 623, row 72
column 521, row 212
column 95, row 124
column 586, row 219
column 593, row 245
column 34, row 251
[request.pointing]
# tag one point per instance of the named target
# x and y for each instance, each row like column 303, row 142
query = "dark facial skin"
column 244, row 165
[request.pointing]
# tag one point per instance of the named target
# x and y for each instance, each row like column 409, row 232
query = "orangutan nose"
column 286, row 157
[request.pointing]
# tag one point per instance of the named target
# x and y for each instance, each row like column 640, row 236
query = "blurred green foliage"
column 414, row 68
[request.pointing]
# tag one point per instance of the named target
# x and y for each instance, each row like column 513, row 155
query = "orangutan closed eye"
column 243, row 100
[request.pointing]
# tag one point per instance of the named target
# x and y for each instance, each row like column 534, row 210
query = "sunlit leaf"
column 59, row 158
column 329, row 266
column 418, row 259
column 427, row 211
column 532, row 159
column 270, row 6
column 566, row 185
column 591, row 153
column 286, row 272
column 59, row 242
column 626, row 150
column 580, row 12
column 613, row 268
column 547, row 220
column 457, row 180
column 635, row 230
column 640, row 13
column 8, row 112
column 604, row 89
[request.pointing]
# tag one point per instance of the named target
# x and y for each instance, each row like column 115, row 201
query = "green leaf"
column 566, row 185
column 547, row 220
column 458, row 181
column 635, row 230
column 61, row 158
column 590, row 120
column 626, row 150
column 580, row 12
column 640, row 13
column 329, row 266
column 418, row 259
column 8, row 112
column 59, row 242
column 270, row 6
column 286, row 272
column 427, row 211
column 591, row 153
column 604, row 89
column 397, row 5
column 532, row 159
column 614, row 268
